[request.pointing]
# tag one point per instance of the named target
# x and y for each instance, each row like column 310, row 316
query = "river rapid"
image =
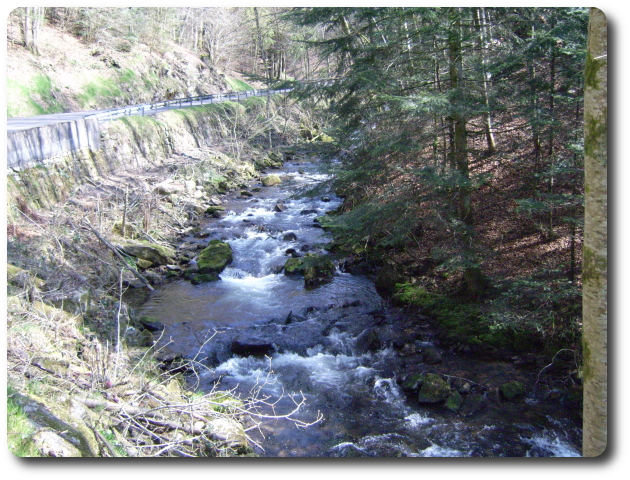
column 332, row 355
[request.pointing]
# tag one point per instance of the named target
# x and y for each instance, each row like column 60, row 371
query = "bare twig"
column 120, row 257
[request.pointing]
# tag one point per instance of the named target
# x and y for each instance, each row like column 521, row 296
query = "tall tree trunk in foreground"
column 475, row 282
column 595, row 266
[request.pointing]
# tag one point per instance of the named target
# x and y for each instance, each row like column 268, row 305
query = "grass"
column 32, row 97
column 19, row 430
column 237, row 85
column 95, row 92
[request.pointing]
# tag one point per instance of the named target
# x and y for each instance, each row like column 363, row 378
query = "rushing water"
column 310, row 348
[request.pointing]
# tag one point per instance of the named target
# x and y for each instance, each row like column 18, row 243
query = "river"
column 262, row 335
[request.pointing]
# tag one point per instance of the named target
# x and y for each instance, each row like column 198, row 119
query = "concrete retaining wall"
column 35, row 146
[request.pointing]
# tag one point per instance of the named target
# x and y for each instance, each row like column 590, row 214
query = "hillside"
column 69, row 75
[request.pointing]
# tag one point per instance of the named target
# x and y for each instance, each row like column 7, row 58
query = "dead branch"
column 118, row 255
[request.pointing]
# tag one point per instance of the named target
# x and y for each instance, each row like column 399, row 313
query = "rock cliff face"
column 125, row 144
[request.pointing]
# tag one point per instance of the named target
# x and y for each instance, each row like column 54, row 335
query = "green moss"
column 594, row 266
column 19, row 430
column 512, row 390
column 591, row 69
column 205, row 278
column 316, row 269
column 215, row 257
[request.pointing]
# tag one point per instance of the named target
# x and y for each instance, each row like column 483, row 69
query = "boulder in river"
column 454, row 401
column 316, row 269
column 214, row 208
column 433, row 389
column 205, row 278
column 367, row 341
column 253, row 349
column 215, row 257
column 271, row 180
column 431, row 355
column 512, row 390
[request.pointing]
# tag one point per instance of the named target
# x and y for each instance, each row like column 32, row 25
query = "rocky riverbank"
column 82, row 376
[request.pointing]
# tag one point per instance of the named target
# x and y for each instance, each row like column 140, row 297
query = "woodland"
column 460, row 135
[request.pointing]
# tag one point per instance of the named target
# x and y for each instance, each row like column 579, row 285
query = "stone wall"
column 37, row 146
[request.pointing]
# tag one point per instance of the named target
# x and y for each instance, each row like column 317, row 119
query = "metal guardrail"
column 153, row 108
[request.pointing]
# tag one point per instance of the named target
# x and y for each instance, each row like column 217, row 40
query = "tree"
column 595, row 260
column 31, row 19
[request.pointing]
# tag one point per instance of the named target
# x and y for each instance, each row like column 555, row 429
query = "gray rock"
column 367, row 341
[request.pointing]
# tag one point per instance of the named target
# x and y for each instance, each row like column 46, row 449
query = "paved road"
column 16, row 124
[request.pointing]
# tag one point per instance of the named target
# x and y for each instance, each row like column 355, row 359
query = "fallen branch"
column 118, row 255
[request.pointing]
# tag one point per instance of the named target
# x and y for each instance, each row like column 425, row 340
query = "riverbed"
column 335, row 357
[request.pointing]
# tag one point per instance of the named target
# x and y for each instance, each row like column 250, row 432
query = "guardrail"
column 153, row 108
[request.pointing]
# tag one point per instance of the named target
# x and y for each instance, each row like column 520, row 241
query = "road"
column 16, row 124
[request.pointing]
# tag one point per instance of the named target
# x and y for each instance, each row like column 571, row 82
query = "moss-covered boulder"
column 271, row 160
column 433, row 389
column 22, row 278
column 215, row 257
column 454, row 401
column 130, row 230
column 294, row 266
column 151, row 252
column 205, row 278
column 512, row 390
column 271, row 180
column 316, row 269
column 214, row 208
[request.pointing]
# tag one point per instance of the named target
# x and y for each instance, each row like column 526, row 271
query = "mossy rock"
column 316, row 269
column 294, row 266
column 130, row 230
column 215, row 257
column 454, row 401
column 22, row 278
column 156, row 254
column 512, row 390
column 214, row 208
column 412, row 382
column 433, row 389
column 144, row 264
column 205, row 278
column 271, row 180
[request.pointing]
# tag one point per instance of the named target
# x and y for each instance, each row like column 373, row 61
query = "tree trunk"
column 475, row 283
column 481, row 21
column 595, row 260
column 459, row 120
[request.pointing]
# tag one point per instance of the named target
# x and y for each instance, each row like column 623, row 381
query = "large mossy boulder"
column 316, row 269
column 215, row 257
column 271, row 180
column 433, row 389
column 454, row 401
column 156, row 254
column 512, row 390
column 22, row 278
